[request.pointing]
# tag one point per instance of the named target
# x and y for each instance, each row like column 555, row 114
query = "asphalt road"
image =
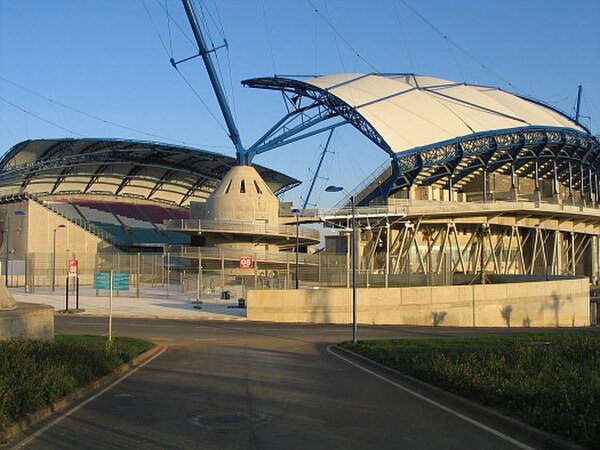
column 243, row 385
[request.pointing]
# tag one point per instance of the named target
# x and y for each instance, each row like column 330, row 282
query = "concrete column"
column 484, row 183
column 347, row 261
column 594, row 253
column 571, row 182
column 222, row 269
column 514, row 193
column 559, row 253
column 537, row 195
column 572, row 253
column 555, row 185
column 387, row 254
column 582, row 185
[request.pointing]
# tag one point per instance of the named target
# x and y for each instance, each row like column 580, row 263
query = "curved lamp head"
column 334, row 189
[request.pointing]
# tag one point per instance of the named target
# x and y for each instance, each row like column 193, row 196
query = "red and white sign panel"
column 246, row 262
column 73, row 267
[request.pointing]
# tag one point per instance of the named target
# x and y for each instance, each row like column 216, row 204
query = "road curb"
column 159, row 317
column 63, row 403
column 549, row 440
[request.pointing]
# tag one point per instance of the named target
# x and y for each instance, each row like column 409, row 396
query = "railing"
column 240, row 227
column 372, row 177
column 95, row 230
column 234, row 254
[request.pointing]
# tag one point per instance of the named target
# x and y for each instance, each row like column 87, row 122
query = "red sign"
column 73, row 267
column 246, row 262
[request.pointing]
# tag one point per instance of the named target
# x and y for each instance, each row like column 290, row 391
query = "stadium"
column 461, row 156
column 481, row 187
column 480, row 183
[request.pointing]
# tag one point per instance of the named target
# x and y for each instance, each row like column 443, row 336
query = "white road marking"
column 204, row 339
column 434, row 403
column 82, row 404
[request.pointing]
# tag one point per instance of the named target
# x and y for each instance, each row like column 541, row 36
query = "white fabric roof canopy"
column 411, row 111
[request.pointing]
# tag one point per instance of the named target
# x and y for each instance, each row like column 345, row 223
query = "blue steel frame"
column 189, row 171
column 526, row 151
column 554, row 150
column 322, row 105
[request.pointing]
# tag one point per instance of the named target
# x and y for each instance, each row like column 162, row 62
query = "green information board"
column 120, row 281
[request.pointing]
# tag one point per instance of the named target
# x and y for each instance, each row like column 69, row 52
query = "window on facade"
column 243, row 187
column 257, row 187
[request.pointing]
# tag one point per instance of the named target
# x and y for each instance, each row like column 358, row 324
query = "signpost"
column 246, row 262
column 112, row 282
column 72, row 272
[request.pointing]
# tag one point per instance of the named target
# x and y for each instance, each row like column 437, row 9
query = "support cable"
column 162, row 42
column 14, row 105
column 190, row 40
column 213, row 115
column 460, row 48
column 175, row 66
column 314, row 180
column 106, row 121
column 410, row 60
column 169, row 29
column 204, row 13
column 344, row 40
column 262, row 2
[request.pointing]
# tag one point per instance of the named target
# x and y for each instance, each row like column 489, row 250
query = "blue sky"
column 104, row 57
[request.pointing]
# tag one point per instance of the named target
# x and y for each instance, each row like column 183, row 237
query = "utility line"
column 105, row 121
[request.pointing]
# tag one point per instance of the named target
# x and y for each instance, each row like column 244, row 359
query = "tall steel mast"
column 578, row 104
column 234, row 135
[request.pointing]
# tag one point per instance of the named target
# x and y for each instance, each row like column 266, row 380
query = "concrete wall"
column 71, row 239
column 27, row 321
column 540, row 304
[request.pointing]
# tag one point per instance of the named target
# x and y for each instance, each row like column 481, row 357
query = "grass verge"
column 33, row 374
column 551, row 381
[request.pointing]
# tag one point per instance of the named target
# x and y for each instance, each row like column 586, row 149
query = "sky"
column 100, row 68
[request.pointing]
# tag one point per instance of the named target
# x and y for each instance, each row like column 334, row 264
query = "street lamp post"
column 297, row 212
column 54, row 257
column 16, row 213
column 354, row 249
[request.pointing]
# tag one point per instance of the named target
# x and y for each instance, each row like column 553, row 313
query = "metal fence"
column 213, row 272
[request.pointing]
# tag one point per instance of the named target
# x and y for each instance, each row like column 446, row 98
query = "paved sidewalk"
column 153, row 302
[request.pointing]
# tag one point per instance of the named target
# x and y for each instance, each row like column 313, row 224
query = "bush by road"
column 33, row 374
